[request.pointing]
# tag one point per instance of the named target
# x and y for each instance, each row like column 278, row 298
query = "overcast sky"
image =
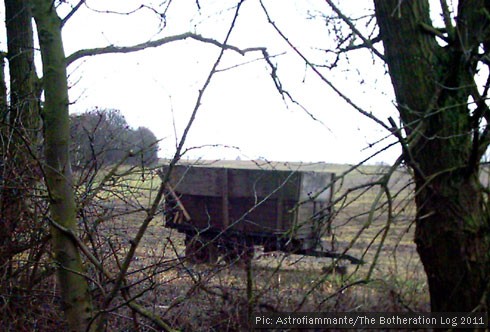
column 158, row 88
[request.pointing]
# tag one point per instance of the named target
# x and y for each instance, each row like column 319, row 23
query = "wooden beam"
column 224, row 199
column 179, row 202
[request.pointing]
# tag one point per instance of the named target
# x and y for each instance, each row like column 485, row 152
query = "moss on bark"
column 74, row 287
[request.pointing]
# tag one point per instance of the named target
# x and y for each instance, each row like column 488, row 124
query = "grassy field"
column 373, row 221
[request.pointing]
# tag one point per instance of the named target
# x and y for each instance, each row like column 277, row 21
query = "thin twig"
column 367, row 42
column 320, row 75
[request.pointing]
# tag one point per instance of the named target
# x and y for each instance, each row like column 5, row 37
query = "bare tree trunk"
column 432, row 86
column 74, row 287
column 20, row 127
column 3, row 95
column 453, row 242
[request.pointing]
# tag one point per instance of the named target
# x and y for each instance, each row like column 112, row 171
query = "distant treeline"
column 103, row 136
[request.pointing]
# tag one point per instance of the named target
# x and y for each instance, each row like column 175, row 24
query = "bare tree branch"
column 367, row 42
column 151, row 212
column 446, row 14
column 322, row 77
column 369, row 45
column 72, row 12
column 156, row 43
column 436, row 32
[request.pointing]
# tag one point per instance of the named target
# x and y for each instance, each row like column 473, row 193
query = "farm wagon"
column 228, row 211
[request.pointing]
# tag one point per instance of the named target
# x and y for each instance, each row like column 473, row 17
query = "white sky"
column 157, row 88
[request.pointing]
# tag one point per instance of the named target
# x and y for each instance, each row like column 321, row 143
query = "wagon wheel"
column 199, row 250
column 292, row 246
column 238, row 250
column 271, row 245
column 247, row 253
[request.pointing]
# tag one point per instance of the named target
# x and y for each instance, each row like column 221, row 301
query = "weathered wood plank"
column 252, row 200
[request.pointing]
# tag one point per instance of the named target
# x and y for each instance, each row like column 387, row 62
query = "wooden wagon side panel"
column 260, row 200
column 198, row 181
column 205, row 211
column 254, row 201
column 262, row 184
column 316, row 191
column 270, row 216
